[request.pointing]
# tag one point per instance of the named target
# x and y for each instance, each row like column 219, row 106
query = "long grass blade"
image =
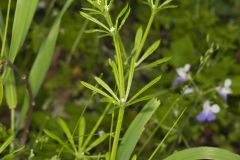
column 135, row 130
column 22, row 20
column 168, row 133
column 6, row 143
column 204, row 153
column 38, row 70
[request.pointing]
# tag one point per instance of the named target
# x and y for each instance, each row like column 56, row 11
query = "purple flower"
column 223, row 91
column 208, row 112
column 183, row 74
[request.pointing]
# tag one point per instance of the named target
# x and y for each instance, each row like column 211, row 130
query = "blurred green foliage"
column 185, row 32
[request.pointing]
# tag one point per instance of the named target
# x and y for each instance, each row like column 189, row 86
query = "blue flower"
column 183, row 74
column 208, row 112
column 224, row 90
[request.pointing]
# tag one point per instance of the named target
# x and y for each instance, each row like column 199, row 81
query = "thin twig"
column 28, row 118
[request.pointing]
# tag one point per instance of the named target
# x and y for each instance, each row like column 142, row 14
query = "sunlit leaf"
column 198, row 153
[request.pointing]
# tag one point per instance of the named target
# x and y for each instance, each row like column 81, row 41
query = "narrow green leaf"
column 124, row 19
column 22, row 20
column 168, row 133
column 97, row 142
column 115, row 71
column 144, row 98
column 122, row 12
column 135, row 130
column 154, row 64
column 138, row 39
column 130, row 76
column 6, row 143
column 12, row 154
column 87, row 16
column 38, row 70
column 56, row 138
column 67, row 132
column 95, row 30
column 95, row 89
column 203, row 153
column 106, row 86
column 81, row 132
column 149, row 51
column 150, row 84
column 165, row 3
column 10, row 91
column 91, row 11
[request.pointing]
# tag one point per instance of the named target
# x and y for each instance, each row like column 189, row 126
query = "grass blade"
column 166, row 136
column 203, row 153
column 38, row 71
column 6, row 144
column 67, row 132
column 150, row 84
column 135, row 130
column 22, row 20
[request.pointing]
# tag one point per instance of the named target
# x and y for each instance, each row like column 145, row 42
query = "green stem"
column 12, row 127
column 117, row 132
column 145, row 34
column 5, row 30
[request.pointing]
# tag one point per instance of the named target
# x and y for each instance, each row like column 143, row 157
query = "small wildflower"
column 112, row 29
column 188, row 90
column 101, row 133
column 106, row 7
column 208, row 112
column 122, row 100
column 183, row 74
column 225, row 90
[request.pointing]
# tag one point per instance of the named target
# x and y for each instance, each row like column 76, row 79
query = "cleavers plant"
column 123, row 73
